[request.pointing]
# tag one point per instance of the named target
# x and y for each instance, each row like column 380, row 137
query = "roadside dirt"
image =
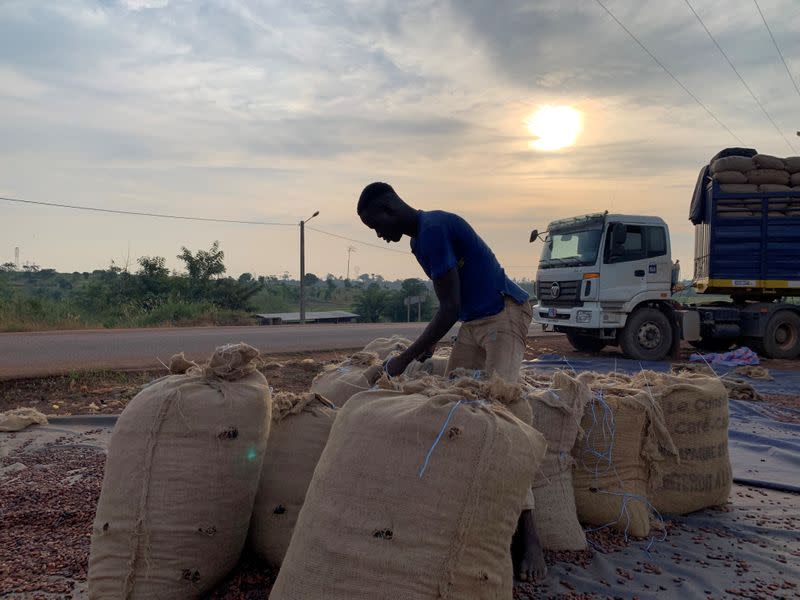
column 108, row 392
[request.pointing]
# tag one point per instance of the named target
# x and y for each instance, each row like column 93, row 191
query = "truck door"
column 635, row 260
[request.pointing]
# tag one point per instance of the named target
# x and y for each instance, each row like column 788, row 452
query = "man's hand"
column 396, row 365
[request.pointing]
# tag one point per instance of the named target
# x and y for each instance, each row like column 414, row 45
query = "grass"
column 33, row 314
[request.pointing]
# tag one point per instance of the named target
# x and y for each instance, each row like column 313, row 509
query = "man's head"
column 383, row 211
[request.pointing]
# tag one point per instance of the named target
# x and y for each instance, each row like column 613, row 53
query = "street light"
column 303, row 267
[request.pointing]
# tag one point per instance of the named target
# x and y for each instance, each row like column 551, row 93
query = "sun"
column 554, row 127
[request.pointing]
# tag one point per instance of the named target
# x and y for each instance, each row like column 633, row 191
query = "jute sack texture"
column 414, row 497
column 338, row 383
column 557, row 413
column 470, row 385
column 695, row 409
column 617, row 461
column 385, row 347
column 742, row 164
column 301, row 424
column 181, row 477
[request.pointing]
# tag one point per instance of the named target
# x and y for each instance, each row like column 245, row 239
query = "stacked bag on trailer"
column 181, row 477
column 416, row 496
column 757, row 173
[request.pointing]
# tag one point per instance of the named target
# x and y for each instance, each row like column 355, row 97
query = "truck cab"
column 606, row 279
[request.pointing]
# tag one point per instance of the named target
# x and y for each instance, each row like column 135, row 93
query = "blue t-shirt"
column 444, row 241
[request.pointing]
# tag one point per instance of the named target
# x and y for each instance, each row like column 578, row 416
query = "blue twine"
column 441, row 433
column 608, row 432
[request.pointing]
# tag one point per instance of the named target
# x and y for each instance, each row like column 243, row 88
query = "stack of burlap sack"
column 652, row 443
column 359, row 497
column 759, row 173
column 355, row 501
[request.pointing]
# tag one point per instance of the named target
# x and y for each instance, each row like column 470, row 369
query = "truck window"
column 633, row 249
column 656, row 241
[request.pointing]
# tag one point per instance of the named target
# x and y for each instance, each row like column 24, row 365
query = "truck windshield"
column 573, row 249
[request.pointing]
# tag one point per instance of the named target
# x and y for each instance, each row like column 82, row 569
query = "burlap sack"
column 18, row 419
column 695, row 409
column 414, row 497
column 435, row 365
column 557, row 413
column 733, row 163
column 792, row 164
column 738, row 188
column 181, row 476
column 618, row 456
column 468, row 384
column 768, row 176
column 795, row 180
column 385, row 347
column 765, row 161
column 772, row 187
column 301, row 424
column 358, row 373
column 730, row 177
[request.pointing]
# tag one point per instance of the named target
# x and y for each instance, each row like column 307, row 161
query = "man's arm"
column 448, row 291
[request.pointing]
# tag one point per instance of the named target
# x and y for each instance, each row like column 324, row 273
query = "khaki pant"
column 494, row 344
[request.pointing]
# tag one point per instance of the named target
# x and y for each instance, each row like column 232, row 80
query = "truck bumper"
column 588, row 316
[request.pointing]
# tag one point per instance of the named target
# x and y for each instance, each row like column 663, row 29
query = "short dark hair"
column 371, row 193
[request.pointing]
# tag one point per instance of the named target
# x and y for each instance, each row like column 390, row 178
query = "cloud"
column 234, row 108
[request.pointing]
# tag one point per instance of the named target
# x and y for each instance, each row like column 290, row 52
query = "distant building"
column 331, row 316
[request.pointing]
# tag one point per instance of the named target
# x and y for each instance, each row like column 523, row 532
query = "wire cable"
column 775, row 43
column 668, row 72
column 146, row 214
column 342, row 237
column 739, row 75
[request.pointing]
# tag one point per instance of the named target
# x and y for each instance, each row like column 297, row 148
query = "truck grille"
column 567, row 298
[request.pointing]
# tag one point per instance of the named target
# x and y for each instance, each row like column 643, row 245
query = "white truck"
column 607, row 279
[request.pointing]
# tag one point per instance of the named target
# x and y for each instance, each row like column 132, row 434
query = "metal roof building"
column 331, row 316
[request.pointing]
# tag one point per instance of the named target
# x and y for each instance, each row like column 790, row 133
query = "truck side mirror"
column 534, row 235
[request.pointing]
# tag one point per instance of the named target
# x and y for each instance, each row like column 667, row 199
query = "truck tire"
column 782, row 335
column 647, row 335
column 586, row 343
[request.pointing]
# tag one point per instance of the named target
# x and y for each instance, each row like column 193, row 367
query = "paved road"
column 48, row 353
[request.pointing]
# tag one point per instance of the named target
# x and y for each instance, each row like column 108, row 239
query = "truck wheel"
column 782, row 337
column 647, row 335
column 585, row 343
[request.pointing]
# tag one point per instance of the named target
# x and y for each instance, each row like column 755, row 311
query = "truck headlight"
column 583, row 316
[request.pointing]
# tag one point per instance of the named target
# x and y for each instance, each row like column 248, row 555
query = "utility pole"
column 303, row 268
column 350, row 250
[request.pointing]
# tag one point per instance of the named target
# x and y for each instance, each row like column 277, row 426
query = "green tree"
column 246, row 278
column 8, row 267
column 371, row 303
column 202, row 267
column 311, row 279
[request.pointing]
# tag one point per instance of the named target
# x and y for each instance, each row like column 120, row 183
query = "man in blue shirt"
column 471, row 287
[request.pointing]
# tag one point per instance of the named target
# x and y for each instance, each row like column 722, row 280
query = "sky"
column 268, row 111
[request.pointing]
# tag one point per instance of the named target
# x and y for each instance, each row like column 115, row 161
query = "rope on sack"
column 443, row 429
column 607, row 427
